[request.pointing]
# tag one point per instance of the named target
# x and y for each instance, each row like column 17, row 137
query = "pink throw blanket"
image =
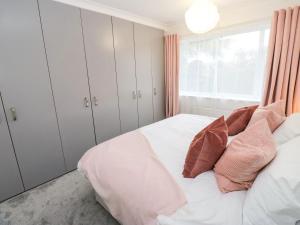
column 131, row 181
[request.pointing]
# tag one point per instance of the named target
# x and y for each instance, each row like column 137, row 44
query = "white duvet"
column 170, row 140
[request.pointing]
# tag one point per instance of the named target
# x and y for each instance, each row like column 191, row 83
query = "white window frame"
column 223, row 32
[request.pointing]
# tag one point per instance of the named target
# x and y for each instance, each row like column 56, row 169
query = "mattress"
column 206, row 205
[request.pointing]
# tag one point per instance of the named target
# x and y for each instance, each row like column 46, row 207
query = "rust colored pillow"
column 239, row 119
column 206, row 148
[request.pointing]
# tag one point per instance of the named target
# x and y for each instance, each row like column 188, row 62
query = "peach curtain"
column 283, row 69
column 172, row 74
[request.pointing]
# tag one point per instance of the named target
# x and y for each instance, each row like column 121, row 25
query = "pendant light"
column 202, row 16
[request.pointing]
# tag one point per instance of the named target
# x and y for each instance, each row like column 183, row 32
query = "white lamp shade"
column 202, row 16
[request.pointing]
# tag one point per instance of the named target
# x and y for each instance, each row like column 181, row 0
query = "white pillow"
column 274, row 198
column 288, row 130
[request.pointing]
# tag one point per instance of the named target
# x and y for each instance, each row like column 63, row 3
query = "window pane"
column 266, row 37
column 197, row 66
column 230, row 66
column 237, row 64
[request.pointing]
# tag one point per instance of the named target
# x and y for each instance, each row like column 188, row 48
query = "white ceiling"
column 164, row 11
column 169, row 14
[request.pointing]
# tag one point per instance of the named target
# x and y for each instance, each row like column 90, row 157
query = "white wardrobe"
column 70, row 79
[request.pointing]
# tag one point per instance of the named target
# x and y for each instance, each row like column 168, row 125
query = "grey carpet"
column 68, row 200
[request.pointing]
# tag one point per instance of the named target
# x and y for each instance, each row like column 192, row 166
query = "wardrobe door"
column 98, row 40
column 11, row 183
column 157, row 61
column 142, row 40
column 66, row 58
column 26, row 92
column 125, row 67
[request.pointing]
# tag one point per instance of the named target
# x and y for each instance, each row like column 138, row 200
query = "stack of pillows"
column 236, row 164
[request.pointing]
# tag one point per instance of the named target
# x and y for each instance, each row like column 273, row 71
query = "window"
column 225, row 66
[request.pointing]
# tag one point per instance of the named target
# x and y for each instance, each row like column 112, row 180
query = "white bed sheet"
column 170, row 139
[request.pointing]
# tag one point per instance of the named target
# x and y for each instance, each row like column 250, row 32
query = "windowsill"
column 189, row 94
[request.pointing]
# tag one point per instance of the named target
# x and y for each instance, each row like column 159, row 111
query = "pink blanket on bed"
column 131, row 181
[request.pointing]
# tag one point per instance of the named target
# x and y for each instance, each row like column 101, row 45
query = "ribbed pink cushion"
column 273, row 113
column 245, row 156
column 225, row 185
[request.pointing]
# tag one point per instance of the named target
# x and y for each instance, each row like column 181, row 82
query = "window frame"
column 218, row 34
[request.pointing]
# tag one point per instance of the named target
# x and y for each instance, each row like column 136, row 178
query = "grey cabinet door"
column 125, row 67
column 11, row 183
column 98, row 40
column 143, row 41
column 25, row 87
column 157, row 60
column 66, row 58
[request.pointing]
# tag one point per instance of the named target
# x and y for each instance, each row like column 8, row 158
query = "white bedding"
column 170, row 140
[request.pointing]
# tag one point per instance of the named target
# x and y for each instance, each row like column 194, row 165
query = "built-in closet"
column 157, row 71
column 70, row 79
column 27, row 96
column 125, row 68
column 99, row 48
column 142, row 43
column 62, row 31
column 11, row 182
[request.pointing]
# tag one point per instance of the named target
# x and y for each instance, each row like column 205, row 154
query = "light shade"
column 202, row 16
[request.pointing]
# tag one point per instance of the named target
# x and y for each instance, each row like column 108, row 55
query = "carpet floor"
column 68, row 200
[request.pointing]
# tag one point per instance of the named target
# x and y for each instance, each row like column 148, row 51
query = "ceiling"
column 169, row 14
column 164, row 11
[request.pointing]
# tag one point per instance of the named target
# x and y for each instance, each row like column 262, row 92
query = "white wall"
column 212, row 107
column 239, row 13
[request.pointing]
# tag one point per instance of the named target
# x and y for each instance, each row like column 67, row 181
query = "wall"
column 211, row 106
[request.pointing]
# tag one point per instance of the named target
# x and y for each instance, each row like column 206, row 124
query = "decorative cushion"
column 239, row 119
column 274, row 198
column 206, row 148
column 225, row 185
column 244, row 157
column 273, row 113
column 288, row 130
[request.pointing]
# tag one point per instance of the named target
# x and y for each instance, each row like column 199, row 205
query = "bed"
column 203, row 203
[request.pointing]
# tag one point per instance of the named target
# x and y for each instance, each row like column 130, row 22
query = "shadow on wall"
column 213, row 107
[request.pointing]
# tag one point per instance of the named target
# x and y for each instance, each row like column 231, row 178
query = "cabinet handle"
column 133, row 95
column 13, row 112
column 154, row 91
column 86, row 102
column 95, row 101
column 140, row 94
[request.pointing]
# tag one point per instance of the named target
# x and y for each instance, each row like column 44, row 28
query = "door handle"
column 13, row 112
column 139, row 94
column 133, row 95
column 86, row 102
column 154, row 91
column 95, row 101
